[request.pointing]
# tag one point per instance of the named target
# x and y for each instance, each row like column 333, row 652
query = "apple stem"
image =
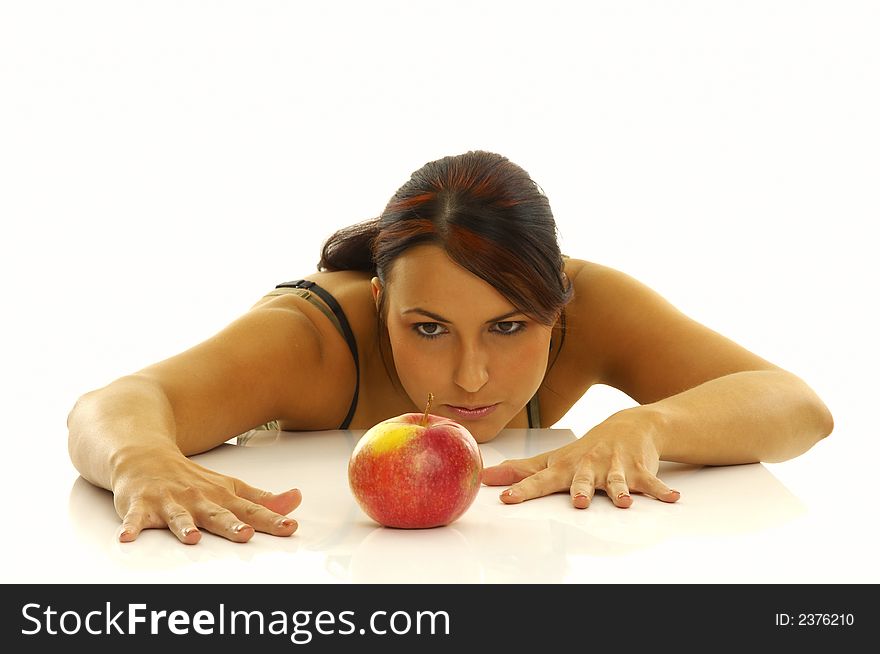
column 427, row 409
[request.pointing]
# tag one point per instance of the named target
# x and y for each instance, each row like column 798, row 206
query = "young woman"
column 458, row 289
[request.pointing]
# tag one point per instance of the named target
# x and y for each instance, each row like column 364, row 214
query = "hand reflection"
column 537, row 541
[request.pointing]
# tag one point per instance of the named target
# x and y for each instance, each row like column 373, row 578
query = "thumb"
column 282, row 503
column 513, row 470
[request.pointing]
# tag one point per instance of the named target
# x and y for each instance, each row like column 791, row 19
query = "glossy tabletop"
column 732, row 524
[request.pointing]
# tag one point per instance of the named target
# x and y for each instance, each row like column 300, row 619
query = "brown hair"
column 488, row 216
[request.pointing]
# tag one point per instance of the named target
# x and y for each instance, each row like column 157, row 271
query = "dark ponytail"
column 351, row 248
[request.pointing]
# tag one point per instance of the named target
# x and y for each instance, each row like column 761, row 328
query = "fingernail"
column 511, row 494
column 622, row 495
column 584, row 495
column 188, row 531
column 285, row 523
column 238, row 528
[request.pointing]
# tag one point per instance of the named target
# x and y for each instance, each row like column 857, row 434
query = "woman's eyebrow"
column 440, row 318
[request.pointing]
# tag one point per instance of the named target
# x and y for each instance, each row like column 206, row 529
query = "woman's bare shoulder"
column 589, row 330
column 344, row 285
column 351, row 290
column 643, row 345
column 577, row 267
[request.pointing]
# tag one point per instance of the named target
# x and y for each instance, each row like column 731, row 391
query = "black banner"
column 435, row 617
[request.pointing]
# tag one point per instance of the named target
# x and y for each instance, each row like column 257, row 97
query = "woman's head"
column 485, row 212
column 468, row 238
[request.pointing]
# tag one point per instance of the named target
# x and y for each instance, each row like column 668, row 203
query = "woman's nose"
column 472, row 371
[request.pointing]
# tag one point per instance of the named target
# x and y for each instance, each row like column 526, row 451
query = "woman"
column 458, row 289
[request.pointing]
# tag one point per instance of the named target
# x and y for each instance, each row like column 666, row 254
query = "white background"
column 164, row 164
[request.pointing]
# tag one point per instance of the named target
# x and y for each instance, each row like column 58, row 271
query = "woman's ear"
column 376, row 287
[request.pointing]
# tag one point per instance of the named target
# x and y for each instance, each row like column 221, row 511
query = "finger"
column 650, row 485
column 513, row 470
column 282, row 503
column 181, row 524
column 583, row 486
column 223, row 522
column 616, row 488
column 545, row 482
column 132, row 525
column 262, row 519
column 135, row 520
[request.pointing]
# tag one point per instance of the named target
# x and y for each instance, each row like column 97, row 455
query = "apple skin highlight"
column 415, row 471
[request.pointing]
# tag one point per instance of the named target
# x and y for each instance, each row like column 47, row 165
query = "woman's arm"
column 124, row 419
column 744, row 417
column 729, row 404
column 133, row 435
column 702, row 398
column 122, row 438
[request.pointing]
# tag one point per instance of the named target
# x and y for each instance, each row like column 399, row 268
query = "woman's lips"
column 472, row 414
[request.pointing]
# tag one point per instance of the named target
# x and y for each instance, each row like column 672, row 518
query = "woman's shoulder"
column 598, row 284
column 350, row 288
column 351, row 291
column 574, row 267
column 600, row 293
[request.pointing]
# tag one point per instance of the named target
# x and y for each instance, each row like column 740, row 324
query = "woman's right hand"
column 156, row 488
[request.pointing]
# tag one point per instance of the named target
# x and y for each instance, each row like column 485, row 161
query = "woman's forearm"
column 745, row 417
column 132, row 414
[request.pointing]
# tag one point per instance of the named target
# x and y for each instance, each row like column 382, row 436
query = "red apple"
column 415, row 471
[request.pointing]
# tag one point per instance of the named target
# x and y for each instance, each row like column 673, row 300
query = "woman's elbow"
column 827, row 421
column 821, row 422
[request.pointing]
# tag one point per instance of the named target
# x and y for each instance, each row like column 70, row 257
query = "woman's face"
column 453, row 335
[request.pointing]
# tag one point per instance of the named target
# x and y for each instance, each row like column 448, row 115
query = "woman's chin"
column 482, row 433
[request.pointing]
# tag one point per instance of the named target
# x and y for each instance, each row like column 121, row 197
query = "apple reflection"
column 541, row 540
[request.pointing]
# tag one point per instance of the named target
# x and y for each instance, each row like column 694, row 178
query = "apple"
column 415, row 470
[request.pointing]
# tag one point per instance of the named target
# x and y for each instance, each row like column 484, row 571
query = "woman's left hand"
column 619, row 456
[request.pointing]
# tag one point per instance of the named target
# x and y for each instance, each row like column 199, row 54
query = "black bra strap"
column 531, row 407
column 346, row 332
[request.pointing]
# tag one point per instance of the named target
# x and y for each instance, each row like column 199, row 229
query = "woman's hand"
column 619, row 456
column 154, row 488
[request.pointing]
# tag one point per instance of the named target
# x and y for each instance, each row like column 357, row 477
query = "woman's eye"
column 510, row 327
column 431, row 329
column 434, row 330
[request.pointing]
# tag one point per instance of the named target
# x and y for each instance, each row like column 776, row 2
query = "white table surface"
column 733, row 524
